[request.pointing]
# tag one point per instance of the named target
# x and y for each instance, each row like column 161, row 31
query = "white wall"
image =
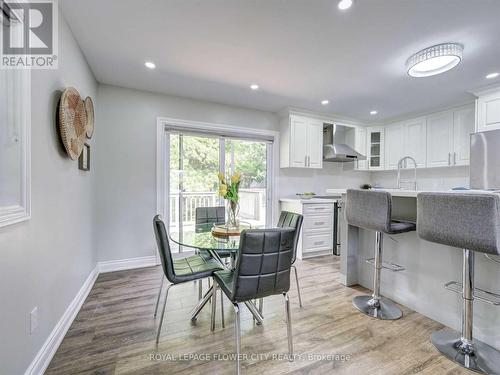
column 45, row 261
column 125, row 162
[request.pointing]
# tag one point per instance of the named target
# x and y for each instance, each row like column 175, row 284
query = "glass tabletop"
column 201, row 237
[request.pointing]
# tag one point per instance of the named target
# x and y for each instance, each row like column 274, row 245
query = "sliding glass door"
column 194, row 162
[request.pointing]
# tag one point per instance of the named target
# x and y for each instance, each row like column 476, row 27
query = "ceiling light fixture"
column 492, row 75
column 345, row 4
column 434, row 60
column 373, row 113
column 254, row 86
column 150, row 65
column 325, row 102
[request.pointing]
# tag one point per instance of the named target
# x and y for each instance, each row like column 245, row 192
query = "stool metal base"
column 484, row 358
column 385, row 309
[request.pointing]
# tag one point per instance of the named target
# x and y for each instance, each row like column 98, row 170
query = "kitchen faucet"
column 400, row 165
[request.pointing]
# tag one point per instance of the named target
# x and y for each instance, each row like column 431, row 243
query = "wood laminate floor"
column 114, row 333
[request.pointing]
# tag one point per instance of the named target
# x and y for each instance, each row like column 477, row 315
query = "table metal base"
column 201, row 304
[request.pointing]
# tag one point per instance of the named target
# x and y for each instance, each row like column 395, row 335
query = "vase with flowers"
column 228, row 189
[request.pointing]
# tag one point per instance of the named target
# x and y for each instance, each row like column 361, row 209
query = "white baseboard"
column 127, row 264
column 50, row 346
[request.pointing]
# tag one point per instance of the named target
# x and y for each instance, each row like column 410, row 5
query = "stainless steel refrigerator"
column 485, row 160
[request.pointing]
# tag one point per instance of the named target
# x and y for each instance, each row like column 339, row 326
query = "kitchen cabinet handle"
column 454, row 158
column 319, row 242
column 319, row 208
column 449, row 158
column 308, row 161
column 319, row 223
column 305, row 161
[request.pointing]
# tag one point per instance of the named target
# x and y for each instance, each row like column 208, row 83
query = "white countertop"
column 413, row 193
column 309, row 201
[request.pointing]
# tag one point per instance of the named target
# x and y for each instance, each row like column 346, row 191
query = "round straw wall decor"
column 89, row 108
column 72, row 122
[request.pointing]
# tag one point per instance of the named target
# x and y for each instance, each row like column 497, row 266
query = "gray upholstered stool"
column 372, row 210
column 470, row 222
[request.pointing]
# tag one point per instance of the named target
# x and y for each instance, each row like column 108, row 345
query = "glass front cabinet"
column 375, row 138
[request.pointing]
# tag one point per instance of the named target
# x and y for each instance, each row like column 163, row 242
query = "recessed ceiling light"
column 373, row 112
column 492, row 75
column 254, row 86
column 434, row 60
column 325, row 102
column 345, row 4
column 150, row 65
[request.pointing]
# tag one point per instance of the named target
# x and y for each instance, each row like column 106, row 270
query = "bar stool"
column 471, row 222
column 369, row 209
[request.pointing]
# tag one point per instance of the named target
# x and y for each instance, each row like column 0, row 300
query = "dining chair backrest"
column 164, row 248
column 263, row 264
column 210, row 215
column 291, row 220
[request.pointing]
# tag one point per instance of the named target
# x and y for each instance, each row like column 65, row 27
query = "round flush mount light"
column 254, row 86
column 325, row 102
column 434, row 60
column 150, row 65
column 373, row 113
column 492, row 75
column 345, row 4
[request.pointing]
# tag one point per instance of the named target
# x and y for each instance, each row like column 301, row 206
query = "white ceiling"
column 298, row 51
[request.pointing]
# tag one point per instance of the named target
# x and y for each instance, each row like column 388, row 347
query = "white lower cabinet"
column 316, row 237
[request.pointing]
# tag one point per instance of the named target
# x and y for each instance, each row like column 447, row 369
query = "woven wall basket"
column 89, row 108
column 72, row 122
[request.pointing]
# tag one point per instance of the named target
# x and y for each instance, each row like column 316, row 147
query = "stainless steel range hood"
column 336, row 140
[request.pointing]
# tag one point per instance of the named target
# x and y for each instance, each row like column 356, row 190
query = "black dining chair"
column 262, row 269
column 195, row 267
column 292, row 220
column 210, row 215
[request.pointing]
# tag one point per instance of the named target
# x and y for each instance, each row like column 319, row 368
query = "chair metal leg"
column 222, row 308
column 375, row 305
column 200, row 289
column 214, row 305
column 261, row 306
column 461, row 348
column 288, row 314
column 237, row 328
column 298, row 286
column 159, row 294
column 201, row 304
column 163, row 313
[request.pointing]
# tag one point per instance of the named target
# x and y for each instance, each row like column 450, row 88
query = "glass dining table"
column 220, row 247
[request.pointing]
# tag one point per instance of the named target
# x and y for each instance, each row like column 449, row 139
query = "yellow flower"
column 222, row 190
column 220, row 175
column 236, row 177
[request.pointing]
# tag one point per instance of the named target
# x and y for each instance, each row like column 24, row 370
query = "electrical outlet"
column 33, row 320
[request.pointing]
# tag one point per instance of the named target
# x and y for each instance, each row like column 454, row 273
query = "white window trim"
column 162, row 178
column 21, row 212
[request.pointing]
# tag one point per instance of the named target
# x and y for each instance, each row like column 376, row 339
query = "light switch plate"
column 33, row 320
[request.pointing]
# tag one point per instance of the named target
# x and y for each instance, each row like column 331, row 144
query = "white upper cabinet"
column 415, row 141
column 315, row 144
column 360, row 146
column 301, row 143
column 298, row 145
column 463, row 127
column 439, row 139
column 488, row 110
column 394, row 138
column 375, row 149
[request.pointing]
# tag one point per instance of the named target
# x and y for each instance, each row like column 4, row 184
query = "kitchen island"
column 428, row 266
